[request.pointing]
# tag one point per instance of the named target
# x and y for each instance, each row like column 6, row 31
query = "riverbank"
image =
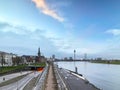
column 117, row 62
column 74, row 81
column 104, row 76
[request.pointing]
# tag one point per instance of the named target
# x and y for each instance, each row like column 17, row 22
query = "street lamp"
column 74, row 54
column 74, row 61
column 74, row 57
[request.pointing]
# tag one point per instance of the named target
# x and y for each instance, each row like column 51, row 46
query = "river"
column 104, row 76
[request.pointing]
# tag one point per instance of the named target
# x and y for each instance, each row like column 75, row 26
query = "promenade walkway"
column 51, row 84
column 13, row 75
column 75, row 82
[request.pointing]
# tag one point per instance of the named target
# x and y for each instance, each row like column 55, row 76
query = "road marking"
column 62, row 80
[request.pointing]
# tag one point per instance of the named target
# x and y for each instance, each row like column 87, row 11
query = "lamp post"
column 74, row 57
column 74, row 54
column 74, row 61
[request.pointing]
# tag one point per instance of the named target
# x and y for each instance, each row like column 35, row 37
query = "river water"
column 104, row 76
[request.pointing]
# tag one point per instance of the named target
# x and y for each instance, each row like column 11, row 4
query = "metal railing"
column 40, row 83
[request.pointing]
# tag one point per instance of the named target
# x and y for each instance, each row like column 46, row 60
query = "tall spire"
column 39, row 54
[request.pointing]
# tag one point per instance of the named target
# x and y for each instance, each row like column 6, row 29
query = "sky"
column 61, row 26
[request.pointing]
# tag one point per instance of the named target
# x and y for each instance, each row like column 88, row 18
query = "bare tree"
column 2, row 59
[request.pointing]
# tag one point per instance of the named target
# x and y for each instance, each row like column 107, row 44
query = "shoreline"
column 112, row 62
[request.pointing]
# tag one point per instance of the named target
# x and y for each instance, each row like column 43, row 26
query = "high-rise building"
column 85, row 56
column 53, row 57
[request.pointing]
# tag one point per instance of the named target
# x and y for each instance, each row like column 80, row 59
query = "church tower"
column 39, row 53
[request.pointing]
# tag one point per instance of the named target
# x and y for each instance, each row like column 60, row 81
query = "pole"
column 74, row 54
column 74, row 61
column 74, row 57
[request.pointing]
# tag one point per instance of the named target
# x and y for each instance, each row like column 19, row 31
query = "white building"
column 6, row 58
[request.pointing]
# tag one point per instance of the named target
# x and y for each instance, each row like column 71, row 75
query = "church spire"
column 39, row 54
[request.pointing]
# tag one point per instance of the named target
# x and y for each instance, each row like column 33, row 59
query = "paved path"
column 11, row 76
column 50, row 80
column 19, row 85
column 74, row 82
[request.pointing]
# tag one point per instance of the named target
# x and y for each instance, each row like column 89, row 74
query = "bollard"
column 76, row 70
column 3, row 78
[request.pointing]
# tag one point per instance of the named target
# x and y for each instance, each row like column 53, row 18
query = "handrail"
column 39, row 85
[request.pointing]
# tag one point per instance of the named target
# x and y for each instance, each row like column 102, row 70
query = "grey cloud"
column 3, row 25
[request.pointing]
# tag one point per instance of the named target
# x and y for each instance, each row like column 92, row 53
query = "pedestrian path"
column 50, row 85
column 74, row 81
column 11, row 76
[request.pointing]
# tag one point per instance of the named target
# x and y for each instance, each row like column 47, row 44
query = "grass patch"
column 6, row 69
column 43, row 64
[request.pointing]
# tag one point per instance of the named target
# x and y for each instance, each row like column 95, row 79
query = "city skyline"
column 60, row 27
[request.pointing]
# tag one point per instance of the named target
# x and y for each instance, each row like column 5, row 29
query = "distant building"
column 65, row 58
column 99, row 58
column 28, row 59
column 85, row 56
column 40, row 58
column 53, row 57
column 70, row 58
column 6, row 59
column 39, row 55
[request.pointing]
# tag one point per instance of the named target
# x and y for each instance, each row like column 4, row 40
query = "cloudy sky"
column 60, row 26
